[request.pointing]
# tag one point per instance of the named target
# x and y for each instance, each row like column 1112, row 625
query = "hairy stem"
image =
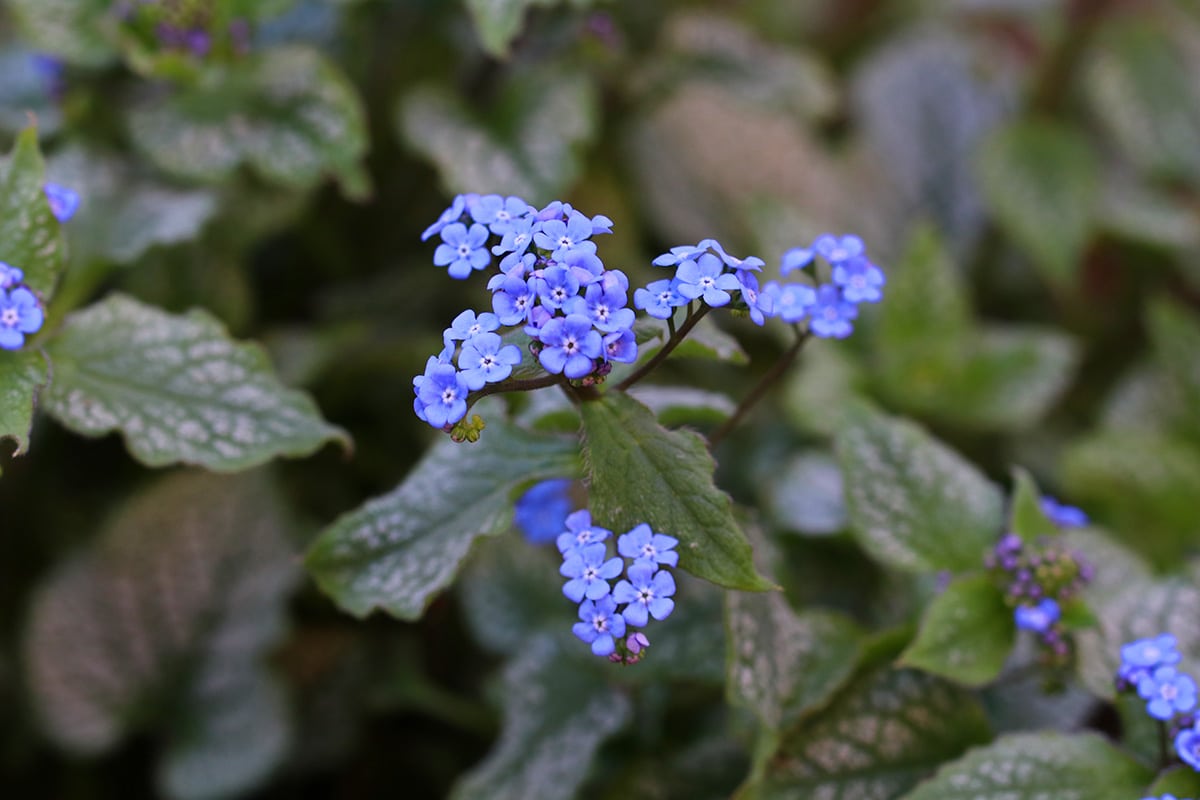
column 766, row 382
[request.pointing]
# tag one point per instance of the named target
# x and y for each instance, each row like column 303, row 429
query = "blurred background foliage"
column 1027, row 172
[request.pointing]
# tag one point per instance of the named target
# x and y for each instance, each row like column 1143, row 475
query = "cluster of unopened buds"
column 1040, row 578
column 607, row 612
column 1149, row 667
column 21, row 311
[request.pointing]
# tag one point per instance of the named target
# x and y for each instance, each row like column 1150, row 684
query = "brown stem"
column 756, row 394
column 525, row 385
column 673, row 342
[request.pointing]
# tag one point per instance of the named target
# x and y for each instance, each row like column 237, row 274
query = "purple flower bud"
column 637, row 643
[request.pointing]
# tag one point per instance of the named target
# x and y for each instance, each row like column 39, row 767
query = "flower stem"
column 768, row 379
column 673, row 342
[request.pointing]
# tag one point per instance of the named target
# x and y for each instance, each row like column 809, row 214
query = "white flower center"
column 9, row 318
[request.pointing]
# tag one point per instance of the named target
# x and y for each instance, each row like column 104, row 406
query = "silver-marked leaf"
column 32, row 241
column 77, row 31
column 22, row 375
column 398, row 551
column 1176, row 336
column 821, row 387
column 1042, row 183
column 289, row 114
column 1138, row 611
column 807, row 495
column 640, row 472
column 556, row 716
column 965, row 634
column 163, row 626
column 178, row 389
column 781, row 664
column 886, row 731
column 914, row 504
column 684, row 405
column 1039, row 765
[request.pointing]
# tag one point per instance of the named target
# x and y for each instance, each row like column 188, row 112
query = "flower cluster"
column 20, row 310
column 1149, row 667
column 550, row 283
column 1038, row 579
column 607, row 612
column 197, row 27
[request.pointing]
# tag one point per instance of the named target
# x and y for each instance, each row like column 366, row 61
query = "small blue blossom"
column 514, row 300
column 443, row 395
column 542, row 510
column 621, row 346
column 562, row 238
column 586, row 266
column 1162, row 797
column 570, row 346
column 1063, row 515
column 500, row 213
column 837, row 249
column 64, row 202
column 10, row 276
column 556, row 286
column 1141, row 657
column 452, row 214
column 646, row 546
column 860, row 280
column 485, row 358
column 1168, row 692
column 791, row 302
column 750, row 263
column 468, row 324
column 516, row 239
column 831, row 314
column 796, row 258
column 755, row 303
column 683, row 253
column 20, row 316
column 589, row 572
column 462, row 249
column 580, row 532
column 1037, row 618
column 705, row 277
column 648, row 594
column 604, row 307
column 601, row 625
column 659, row 299
column 1187, row 745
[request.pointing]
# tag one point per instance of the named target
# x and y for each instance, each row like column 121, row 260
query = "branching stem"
column 677, row 336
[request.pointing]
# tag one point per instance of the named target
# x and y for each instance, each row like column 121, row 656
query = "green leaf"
column 640, row 472
column 1181, row 781
column 511, row 592
column 288, row 113
column 1026, row 518
column 164, row 626
column 914, row 504
column 684, row 405
column 966, row 633
column 781, row 664
column 820, row 388
column 178, row 389
column 1175, row 334
column 706, row 340
column 78, row 31
column 398, row 551
column 1138, row 611
column 1137, row 81
column 807, row 495
column 22, row 376
column 927, row 308
column 499, row 21
column 1028, row 766
column 551, row 120
column 886, row 731
column 1042, row 181
column 125, row 212
column 555, row 719
column 29, row 232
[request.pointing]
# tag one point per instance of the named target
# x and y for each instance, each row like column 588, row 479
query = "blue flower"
column 10, row 276
column 500, row 213
column 705, row 277
column 831, row 314
column 755, row 303
column 646, row 546
column 751, row 263
column 601, row 625
column 20, row 315
column 64, row 202
column 835, row 249
column 860, row 280
column 604, row 307
column 514, row 300
column 791, row 302
column 1063, row 515
column 796, row 258
column 1156, row 651
column 485, row 358
column 556, row 286
column 683, row 253
column 580, row 532
column 443, row 395
column 659, row 299
column 648, row 593
column 452, row 214
column 516, row 239
column 467, row 325
column 462, row 249
column 541, row 511
column 561, row 238
column 570, row 346
column 1037, row 618
column 1187, row 745
column 621, row 346
column 588, row 571
column 1168, row 691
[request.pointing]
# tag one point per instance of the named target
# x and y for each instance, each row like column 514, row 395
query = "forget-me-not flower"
column 462, row 249
column 648, row 594
column 644, row 545
column 485, row 358
column 602, row 625
column 705, row 277
column 570, row 346
column 20, row 316
column 589, row 572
